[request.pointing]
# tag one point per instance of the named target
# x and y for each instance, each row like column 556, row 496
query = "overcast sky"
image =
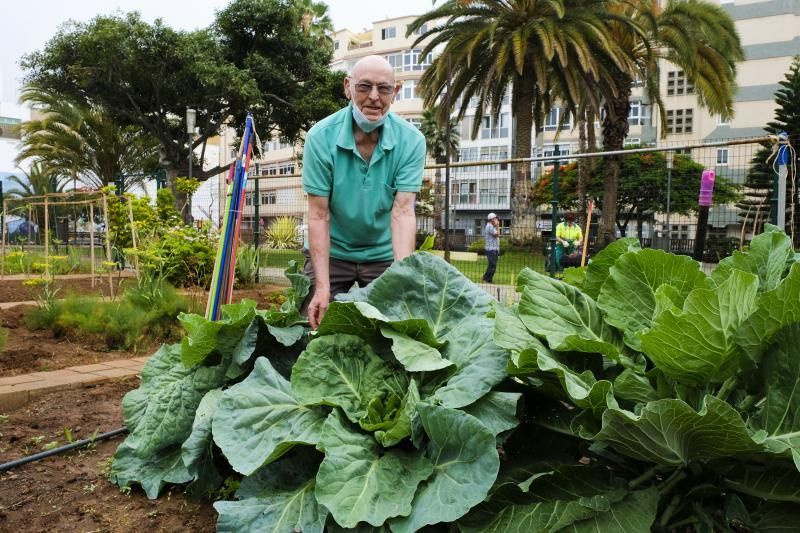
column 28, row 26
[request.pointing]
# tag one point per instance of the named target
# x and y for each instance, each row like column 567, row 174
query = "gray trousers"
column 343, row 275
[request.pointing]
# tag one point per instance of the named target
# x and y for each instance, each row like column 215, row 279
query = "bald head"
column 372, row 67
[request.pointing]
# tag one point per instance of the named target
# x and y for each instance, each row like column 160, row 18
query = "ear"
column 347, row 87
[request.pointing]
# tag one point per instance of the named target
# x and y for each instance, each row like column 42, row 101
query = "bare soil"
column 70, row 492
column 40, row 351
column 14, row 290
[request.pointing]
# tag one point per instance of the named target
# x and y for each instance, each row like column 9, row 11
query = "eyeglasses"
column 384, row 89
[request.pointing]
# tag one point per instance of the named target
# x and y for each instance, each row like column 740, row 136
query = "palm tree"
column 435, row 133
column 37, row 182
column 315, row 20
column 698, row 37
column 436, row 140
column 85, row 144
column 535, row 49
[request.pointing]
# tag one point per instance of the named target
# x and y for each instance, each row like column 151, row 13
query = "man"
column 568, row 240
column 361, row 169
column 491, row 240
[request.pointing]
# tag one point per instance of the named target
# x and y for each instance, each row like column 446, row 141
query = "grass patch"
column 508, row 266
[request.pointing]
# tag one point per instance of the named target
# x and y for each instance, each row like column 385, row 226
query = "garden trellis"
column 76, row 199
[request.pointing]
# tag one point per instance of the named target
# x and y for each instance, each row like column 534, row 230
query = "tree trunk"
column 522, row 218
column 172, row 173
column 615, row 129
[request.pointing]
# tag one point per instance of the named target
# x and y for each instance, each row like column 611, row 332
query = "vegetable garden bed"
column 29, row 350
column 70, row 492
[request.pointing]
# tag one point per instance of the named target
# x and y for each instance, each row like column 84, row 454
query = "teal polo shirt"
column 361, row 195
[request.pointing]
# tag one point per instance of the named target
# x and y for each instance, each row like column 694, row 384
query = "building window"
column 335, row 45
column 9, row 127
column 638, row 81
column 273, row 145
column 411, row 60
column 416, row 122
column 409, row 90
column 388, row 33
column 632, row 141
column 286, row 168
column 248, row 199
column 677, row 84
column 491, row 129
column 468, row 154
column 396, row 61
column 722, row 157
column 268, row 198
column 679, row 121
column 465, row 193
column 551, row 120
column 640, row 114
column 723, row 121
column 421, row 30
column 494, row 153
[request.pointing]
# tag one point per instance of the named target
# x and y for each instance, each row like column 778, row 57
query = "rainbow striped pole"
column 221, row 290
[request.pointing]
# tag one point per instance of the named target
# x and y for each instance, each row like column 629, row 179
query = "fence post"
column 553, row 255
column 257, row 221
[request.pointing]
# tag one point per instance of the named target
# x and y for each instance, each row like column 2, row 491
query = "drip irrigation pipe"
column 55, row 451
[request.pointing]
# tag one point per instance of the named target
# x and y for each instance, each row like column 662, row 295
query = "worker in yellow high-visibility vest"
column 568, row 238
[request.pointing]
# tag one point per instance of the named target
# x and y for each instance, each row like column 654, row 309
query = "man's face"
column 372, row 90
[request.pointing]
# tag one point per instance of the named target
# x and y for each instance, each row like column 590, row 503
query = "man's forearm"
column 404, row 231
column 320, row 243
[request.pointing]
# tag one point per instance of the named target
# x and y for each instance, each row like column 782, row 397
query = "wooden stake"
column 46, row 239
column 91, row 241
column 133, row 237
column 586, row 233
column 108, row 246
column 744, row 227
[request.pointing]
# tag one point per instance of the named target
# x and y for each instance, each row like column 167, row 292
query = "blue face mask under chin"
column 366, row 125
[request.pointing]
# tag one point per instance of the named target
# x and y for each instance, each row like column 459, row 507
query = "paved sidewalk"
column 16, row 391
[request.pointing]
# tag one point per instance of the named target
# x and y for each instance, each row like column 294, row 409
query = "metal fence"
column 658, row 203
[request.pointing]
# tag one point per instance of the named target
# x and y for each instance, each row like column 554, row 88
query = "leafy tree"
column 83, row 143
column 532, row 50
column 642, row 190
column 255, row 58
column 698, row 37
column 760, row 176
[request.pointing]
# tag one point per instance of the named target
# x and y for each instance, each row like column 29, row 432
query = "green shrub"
column 477, row 246
column 247, row 263
column 282, row 233
column 3, row 337
column 146, row 312
column 183, row 255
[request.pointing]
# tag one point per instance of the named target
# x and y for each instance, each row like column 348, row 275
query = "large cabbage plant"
column 658, row 397
column 389, row 416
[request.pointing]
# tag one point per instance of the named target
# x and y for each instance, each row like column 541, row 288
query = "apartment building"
column 770, row 34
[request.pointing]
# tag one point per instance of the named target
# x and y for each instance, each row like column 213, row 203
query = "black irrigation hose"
column 55, row 451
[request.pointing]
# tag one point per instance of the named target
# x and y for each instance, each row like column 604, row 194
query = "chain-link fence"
column 657, row 204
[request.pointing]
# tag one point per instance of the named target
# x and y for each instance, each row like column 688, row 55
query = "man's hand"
column 318, row 306
column 319, row 239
